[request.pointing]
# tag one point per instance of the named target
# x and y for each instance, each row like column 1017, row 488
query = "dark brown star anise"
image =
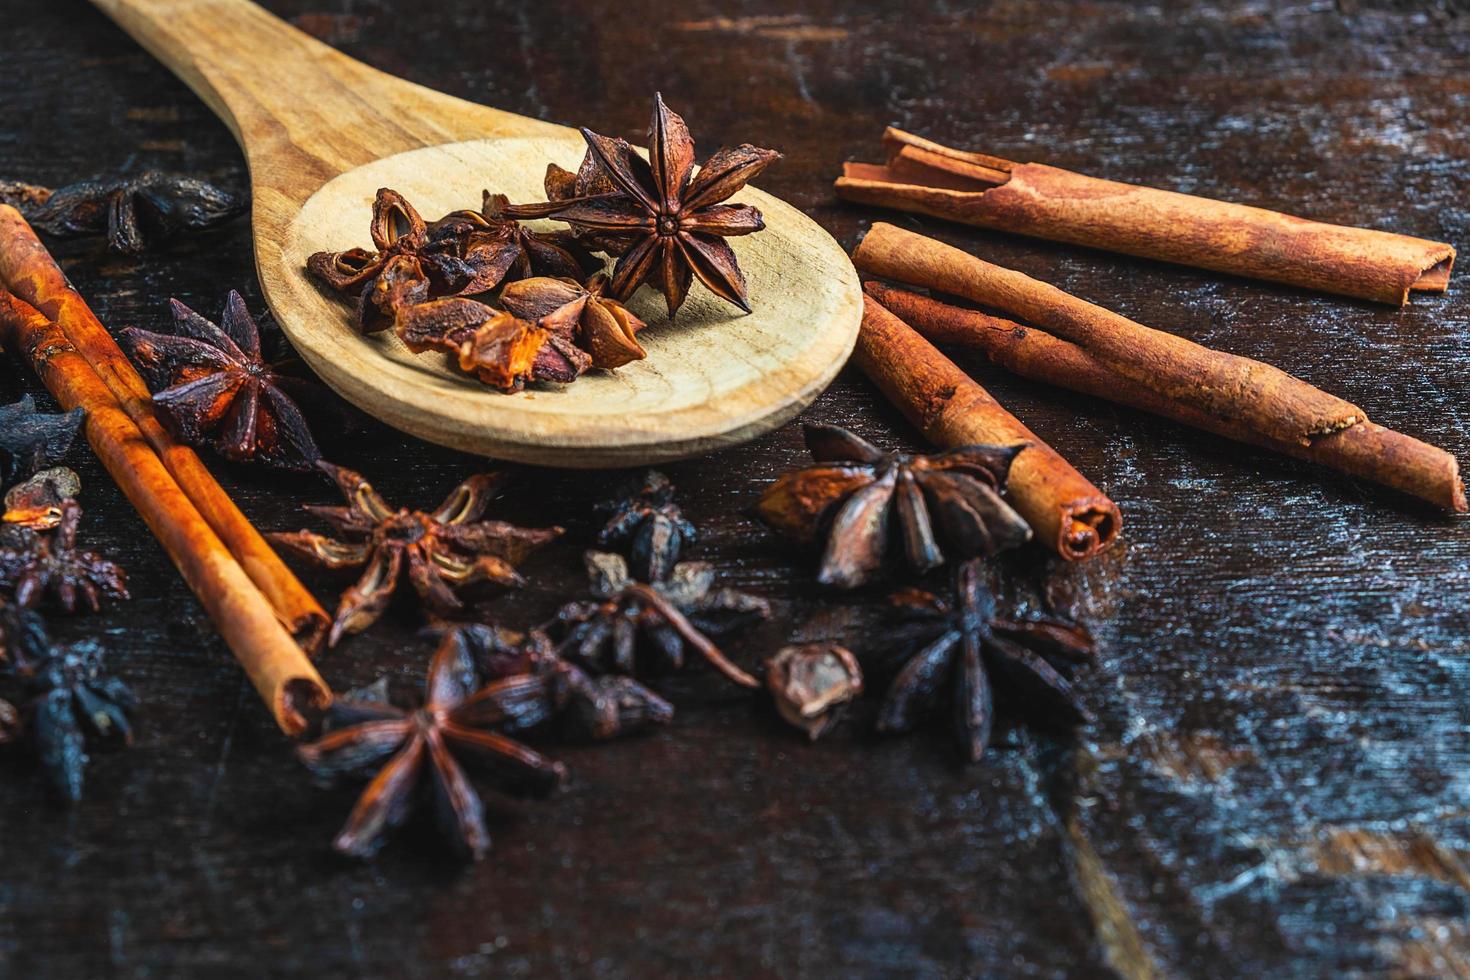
column 863, row 497
column 211, row 386
column 497, row 347
column 393, row 275
column 417, row 752
column 606, row 329
column 809, row 682
column 635, row 625
column 440, row 551
column 49, row 567
column 74, row 702
column 136, row 213
column 650, row 525
column 496, row 248
column 589, row 181
column 32, row 440
column 672, row 221
column 967, row 650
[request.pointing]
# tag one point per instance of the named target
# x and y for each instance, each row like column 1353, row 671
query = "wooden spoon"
column 322, row 132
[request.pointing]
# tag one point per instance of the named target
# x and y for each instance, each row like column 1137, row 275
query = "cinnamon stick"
column 1236, row 390
column 285, row 679
column 1066, row 512
column 1363, row 450
column 29, row 271
column 1059, row 205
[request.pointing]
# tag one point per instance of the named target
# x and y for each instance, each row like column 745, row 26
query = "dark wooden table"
column 1279, row 779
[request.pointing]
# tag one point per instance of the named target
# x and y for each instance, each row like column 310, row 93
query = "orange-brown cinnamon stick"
column 286, row 680
column 1067, row 513
column 29, row 271
column 1364, row 450
column 1059, row 205
column 1234, row 389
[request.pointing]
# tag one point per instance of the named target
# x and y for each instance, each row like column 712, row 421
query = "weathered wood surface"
column 1276, row 782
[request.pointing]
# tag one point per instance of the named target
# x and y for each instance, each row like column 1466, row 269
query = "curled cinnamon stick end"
column 1363, row 450
column 1067, row 513
column 29, row 271
column 1059, row 205
column 281, row 673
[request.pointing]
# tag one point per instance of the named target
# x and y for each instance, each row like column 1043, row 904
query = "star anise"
column 497, row 248
column 606, row 329
column 394, row 275
column 500, row 349
column 136, row 213
column 32, row 440
column 672, row 219
column 417, row 752
column 584, row 706
column 589, row 181
column 212, row 386
column 441, row 551
column 650, row 525
column 945, row 503
column 969, row 651
column 809, row 682
column 23, row 637
column 635, row 626
column 74, row 702
column 36, row 503
column 50, row 567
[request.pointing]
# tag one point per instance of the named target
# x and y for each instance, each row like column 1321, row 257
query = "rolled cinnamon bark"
column 1067, row 513
column 285, row 679
column 1059, row 205
column 29, row 271
column 1363, row 450
column 1233, row 389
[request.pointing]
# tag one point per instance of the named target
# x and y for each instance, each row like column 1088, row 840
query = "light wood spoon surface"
column 322, row 132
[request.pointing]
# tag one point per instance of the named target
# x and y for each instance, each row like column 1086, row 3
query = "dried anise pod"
column 589, row 181
column 136, row 213
column 395, row 275
column 418, row 752
column 32, row 440
column 861, row 497
column 49, row 566
column 75, row 702
column 496, row 248
column 672, row 220
column 810, row 681
column 651, row 526
column 441, row 551
column 606, row 329
column 499, row 348
column 635, row 625
column 967, row 649
column 212, row 386
column 585, row 706
column 36, row 503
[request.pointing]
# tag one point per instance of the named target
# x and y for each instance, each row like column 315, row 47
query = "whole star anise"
column 635, row 625
column 416, row 754
column 497, row 347
column 673, row 222
column 606, row 329
column 74, row 702
column 441, row 551
column 863, row 497
column 967, row 650
column 50, row 567
column 212, row 387
column 32, row 440
column 136, row 213
column 650, row 525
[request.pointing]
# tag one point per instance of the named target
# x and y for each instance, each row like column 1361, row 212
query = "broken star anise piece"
column 861, row 497
column 496, row 248
column 36, row 502
column 441, row 551
column 809, row 682
column 32, row 440
column 673, row 219
column 497, row 347
column 397, row 274
column 650, row 525
column 606, row 329
column 75, row 702
column 589, row 181
column 136, row 213
column 966, row 650
column 50, row 567
column 418, row 753
column 212, row 387
column 634, row 626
